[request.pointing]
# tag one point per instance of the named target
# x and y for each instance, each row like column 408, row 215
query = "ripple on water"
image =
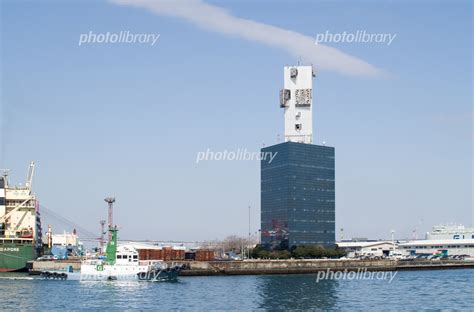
column 410, row 290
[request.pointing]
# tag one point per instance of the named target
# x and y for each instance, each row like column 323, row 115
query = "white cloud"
column 218, row 20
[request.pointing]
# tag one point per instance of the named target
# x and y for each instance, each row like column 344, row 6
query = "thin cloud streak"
column 218, row 20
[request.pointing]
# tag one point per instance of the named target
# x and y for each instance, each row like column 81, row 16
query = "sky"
column 128, row 120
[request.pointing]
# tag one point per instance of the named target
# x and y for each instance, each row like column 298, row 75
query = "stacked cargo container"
column 204, row 255
column 169, row 253
column 150, row 254
column 165, row 253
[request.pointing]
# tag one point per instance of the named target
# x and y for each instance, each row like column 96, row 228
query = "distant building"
column 447, row 247
column 368, row 248
column 450, row 232
column 298, row 184
column 65, row 239
column 66, row 244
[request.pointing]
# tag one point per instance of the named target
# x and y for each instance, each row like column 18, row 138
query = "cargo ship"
column 20, row 223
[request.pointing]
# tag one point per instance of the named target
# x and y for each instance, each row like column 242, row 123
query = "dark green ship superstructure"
column 20, row 224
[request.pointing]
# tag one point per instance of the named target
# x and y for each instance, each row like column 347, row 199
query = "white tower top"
column 297, row 100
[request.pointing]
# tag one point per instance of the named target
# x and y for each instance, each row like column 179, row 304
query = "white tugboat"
column 120, row 263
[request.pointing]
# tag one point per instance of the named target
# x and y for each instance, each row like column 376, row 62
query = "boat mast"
column 111, row 252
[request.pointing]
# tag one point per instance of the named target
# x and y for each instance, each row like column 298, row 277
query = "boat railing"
column 92, row 261
column 17, row 241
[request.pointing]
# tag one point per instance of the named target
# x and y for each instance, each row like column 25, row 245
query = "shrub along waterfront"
column 298, row 252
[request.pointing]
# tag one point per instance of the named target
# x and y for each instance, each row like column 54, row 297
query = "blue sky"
column 129, row 119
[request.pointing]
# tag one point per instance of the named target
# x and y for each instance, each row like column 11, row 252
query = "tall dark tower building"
column 298, row 185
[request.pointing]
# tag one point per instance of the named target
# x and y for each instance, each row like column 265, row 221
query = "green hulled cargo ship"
column 20, row 224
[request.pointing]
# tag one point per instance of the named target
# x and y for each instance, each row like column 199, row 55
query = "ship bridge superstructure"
column 19, row 215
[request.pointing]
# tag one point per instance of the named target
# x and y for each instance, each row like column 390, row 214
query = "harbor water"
column 409, row 290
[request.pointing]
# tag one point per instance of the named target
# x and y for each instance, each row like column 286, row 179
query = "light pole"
column 248, row 243
column 393, row 241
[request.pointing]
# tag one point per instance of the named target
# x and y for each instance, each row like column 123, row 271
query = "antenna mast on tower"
column 296, row 98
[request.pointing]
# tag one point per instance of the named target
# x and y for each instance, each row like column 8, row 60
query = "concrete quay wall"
column 256, row 267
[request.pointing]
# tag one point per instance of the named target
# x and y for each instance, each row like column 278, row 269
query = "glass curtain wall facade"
column 298, row 195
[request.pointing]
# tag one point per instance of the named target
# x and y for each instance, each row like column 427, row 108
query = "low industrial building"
column 368, row 248
column 446, row 247
column 450, row 231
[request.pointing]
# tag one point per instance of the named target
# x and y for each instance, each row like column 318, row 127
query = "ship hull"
column 13, row 257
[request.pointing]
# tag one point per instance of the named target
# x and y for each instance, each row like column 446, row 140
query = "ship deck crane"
column 29, row 177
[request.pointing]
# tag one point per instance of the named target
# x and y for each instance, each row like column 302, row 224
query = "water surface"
column 409, row 290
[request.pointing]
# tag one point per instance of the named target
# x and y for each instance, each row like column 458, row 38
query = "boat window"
column 135, row 256
column 119, row 256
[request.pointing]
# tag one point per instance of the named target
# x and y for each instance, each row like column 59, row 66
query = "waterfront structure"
column 450, row 231
column 20, row 224
column 66, row 244
column 446, row 247
column 443, row 240
column 298, row 184
column 368, row 248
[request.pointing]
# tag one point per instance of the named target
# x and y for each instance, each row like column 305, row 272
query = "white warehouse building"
column 448, row 247
column 374, row 248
